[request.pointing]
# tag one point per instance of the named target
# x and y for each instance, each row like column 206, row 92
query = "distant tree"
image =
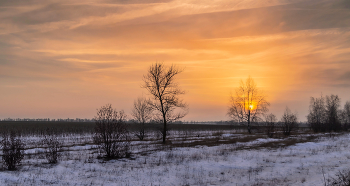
column 345, row 116
column 111, row 133
column 270, row 122
column 289, row 122
column 165, row 92
column 12, row 150
column 52, row 145
column 142, row 113
column 248, row 103
column 317, row 114
column 333, row 113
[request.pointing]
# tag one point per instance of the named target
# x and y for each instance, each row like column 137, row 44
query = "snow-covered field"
column 249, row 162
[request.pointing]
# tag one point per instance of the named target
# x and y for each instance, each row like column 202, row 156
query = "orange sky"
column 62, row 59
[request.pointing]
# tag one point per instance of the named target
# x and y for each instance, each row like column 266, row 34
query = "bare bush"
column 342, row 178
column 52, row 146
column 12, row 150
column 270, row 122
column 111, row 133
column 289, row 122
column 142, row 113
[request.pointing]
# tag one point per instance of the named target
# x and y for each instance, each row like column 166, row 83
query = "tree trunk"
column 164, row 119
column 164, row 130
column 249, row 130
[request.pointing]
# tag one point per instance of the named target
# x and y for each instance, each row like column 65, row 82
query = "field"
column 194, row 155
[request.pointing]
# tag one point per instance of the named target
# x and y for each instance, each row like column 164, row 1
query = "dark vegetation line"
column 38, row 128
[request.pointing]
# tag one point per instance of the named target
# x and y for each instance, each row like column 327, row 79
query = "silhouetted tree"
column 111, row 134
column 142, row 112
column 12, row 150
column 248, row 103
column 270, row 122
column 52, row 145
column 345, row 116
column 332, row 113
column 165, row 92
column 289, row 122
column 317, row 114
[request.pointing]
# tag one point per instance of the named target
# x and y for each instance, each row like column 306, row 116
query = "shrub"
column 342, row 179
column 111, row 133
column 12, row 150
column 52, row 146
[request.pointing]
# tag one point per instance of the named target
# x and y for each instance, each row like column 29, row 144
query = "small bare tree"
column 248, row 103
column 111, row 133
column 317, row 114
column 270, row 122
column 345, row 115
column 289, row 122
column 165, row 92
column 52, row 146
column 12, row 150
column 333, row 113
column 142, row 112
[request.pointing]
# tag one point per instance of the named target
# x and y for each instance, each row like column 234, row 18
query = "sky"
column 67, row 58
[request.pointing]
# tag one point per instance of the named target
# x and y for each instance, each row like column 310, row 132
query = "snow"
column 299, row 164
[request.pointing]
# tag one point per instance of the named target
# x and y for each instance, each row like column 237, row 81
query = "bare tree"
column 345, row 115
column 270, row 122
column 142, row 112
column 165, row 92
column 317, row 114
column 289, row 121
column 12, row 150
column 332, row 113
column 52, row 145
column 248, row 103
column 111, row 134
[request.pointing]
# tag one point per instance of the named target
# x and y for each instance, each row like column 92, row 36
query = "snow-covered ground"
column 241, row 163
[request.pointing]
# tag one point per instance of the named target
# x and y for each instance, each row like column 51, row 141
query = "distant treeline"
column 222, row 122
column 63, row 127
column 48, row 119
